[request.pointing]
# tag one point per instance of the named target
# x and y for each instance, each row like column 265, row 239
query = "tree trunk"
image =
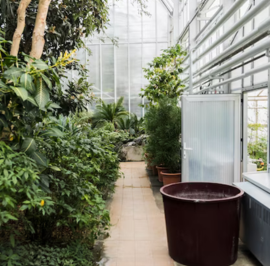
column 20, row 27
column 38, row 40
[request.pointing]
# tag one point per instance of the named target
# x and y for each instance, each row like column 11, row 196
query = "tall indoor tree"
column 68, row 23
column 20, row 27
column 38, row 40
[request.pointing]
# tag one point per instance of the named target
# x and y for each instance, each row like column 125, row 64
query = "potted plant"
column 163, row 74
column 163, row 125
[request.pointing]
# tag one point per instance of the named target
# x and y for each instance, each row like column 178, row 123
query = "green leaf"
column 11, row 217
column 42, row 96
column 3, row 85
column 44, row 188
column 32, row 100
column 45, row 180
column 10, row 263
column 53, row 132
column 39, row 64
column 13, row 73
column 23, row 207
column 39, row 158
column 21, row 92
column 55, row 168
column 48, row 82
column 12, row 240
column 26, row 81
column 55, row 105
column 3, row 121
column 29, row 145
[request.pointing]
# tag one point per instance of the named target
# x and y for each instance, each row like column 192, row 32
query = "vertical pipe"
column 175, row 22
column 114, row 73
column 256, row 118
column 156, row 28
column 192, row 34
column 268, row 128
column 252, row 63
column 226, row 7
column 100, row 70
column 114, row 57
column 128, row 56
column 245, row 131
column 143, row 110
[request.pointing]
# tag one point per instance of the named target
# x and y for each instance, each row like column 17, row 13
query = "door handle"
column 187, row 149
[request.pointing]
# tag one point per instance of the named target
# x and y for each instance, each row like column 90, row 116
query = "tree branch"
column 20, row 27
column 38, row 40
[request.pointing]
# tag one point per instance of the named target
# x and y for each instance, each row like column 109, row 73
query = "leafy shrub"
column 163, row 125
column 75, row 98
column 110, row 112
column 108, row 134
column 74, row 189
column 131, row 124
column 20, row 193
column 83, row 169
column 68, row 196
column 258, row 150
column 25, row 86
column 163, row 74
column 34, row 254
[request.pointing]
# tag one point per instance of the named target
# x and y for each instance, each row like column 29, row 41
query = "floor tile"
column 138, row 232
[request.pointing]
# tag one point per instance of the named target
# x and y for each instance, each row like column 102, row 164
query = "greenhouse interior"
column 134, row 132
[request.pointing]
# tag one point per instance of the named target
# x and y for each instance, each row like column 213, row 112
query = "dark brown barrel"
column 202, row 221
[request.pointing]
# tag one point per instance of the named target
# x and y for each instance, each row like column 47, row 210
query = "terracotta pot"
column 154, row 170
column 169, row 178
column 160, row 169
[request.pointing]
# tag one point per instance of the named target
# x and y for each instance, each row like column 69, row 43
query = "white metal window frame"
column 206, row 78
column 99, row 42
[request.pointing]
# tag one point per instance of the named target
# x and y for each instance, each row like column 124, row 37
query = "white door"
column 211, row 138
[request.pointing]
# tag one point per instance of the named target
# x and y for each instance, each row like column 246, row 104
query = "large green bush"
column 25, row 86
column 163, row 75
column 163, row 125
column 83, row 170
column 35, row 254
column 132, row 124
column 56, row 172
column 68, row 196
column 20, row 193
column 110, row 112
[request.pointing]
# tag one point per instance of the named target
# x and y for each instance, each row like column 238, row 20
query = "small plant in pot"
column 172, row 174
column 163, row 124
column 162, row 120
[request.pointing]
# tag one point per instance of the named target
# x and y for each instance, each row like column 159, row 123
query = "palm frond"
column 110, row 112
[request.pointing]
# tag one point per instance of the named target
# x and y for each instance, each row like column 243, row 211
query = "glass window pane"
column 108, row 71
column 122, row 73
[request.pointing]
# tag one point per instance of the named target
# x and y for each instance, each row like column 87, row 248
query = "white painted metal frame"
column 100, row 41
column 203, row 78
column 198, row 79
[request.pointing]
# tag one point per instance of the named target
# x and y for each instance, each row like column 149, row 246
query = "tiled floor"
column 138, row 233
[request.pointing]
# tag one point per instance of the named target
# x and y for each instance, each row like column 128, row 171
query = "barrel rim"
column 239, row 195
